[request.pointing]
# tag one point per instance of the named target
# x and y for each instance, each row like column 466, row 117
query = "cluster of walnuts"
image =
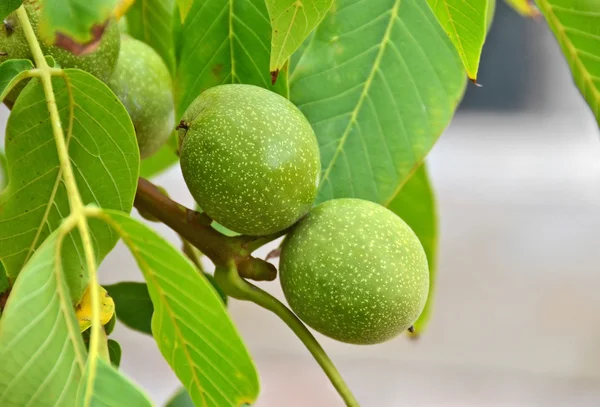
column 351, row 269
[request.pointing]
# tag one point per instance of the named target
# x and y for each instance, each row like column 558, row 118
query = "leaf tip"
column 474, row 81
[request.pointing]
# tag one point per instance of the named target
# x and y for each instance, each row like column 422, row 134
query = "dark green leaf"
column 164, row 158
column 8, row 6
column 465, row 22
column 110, row 389
column 150, row 21
column 180, row 399
column 4, row 285
column 41, row 349
column 576, row 25
column 379, row 82
column 415, row 204
column 224, row 41
column 133, row 305
column 11, row 72
column 74, row 19
column 292, row 21
column 105, row 159
column 110, row 325
column 190, row 323
column 114, row 351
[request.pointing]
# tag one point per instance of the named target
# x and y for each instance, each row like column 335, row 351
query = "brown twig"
column 195, row 228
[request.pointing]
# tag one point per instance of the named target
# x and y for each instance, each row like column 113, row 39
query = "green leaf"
column 150, row 21
column 164, row 158
column 180, row 399
column 133, row 305
column 184, row 8
column 190, row 324
column 224, row 41
column 576, row 25
column 466, row 25
column 524, row 7
column 114, row 351
column 111, row 389
column 415, row 204
column 105, row 159
column 292, row 21
column 3, row 172
column 11, row 72
column 41, row 349
column 379, row 82
column 74, row 19
column 8, row 6
column 4, row 285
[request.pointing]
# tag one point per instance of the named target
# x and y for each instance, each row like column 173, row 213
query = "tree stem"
column 75, row 202
column 234, row 286
column 195, row 228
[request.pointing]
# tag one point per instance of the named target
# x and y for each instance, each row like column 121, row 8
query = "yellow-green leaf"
column 524, row 7
column 190, row 323
column 41, row 349
column 292, row 22
column 465, row 23
column 576, row 25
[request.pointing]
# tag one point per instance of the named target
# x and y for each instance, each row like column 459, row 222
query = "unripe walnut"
column 250, row 158
column 354, row 271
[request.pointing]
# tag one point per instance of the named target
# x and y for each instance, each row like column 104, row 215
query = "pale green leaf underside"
column 576, row 25
column 379, row 82
column 524, row 7
column 11, row 72
column 465, row 22
column 41, row 349
column 415, row 204
column 224, row 41
column 105, row 159
column 111, row 389
column 190, row 324
column 74, row 18
column 292, row 22
column 150, row 21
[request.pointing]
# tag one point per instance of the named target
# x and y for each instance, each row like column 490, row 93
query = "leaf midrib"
column 366, row 88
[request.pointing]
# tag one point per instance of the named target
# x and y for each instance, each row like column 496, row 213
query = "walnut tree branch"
column 195, row 228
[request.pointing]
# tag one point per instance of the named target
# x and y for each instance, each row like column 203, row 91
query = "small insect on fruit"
column 354, row 271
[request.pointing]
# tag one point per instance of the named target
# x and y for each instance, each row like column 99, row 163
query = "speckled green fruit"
column 142, row 82
column 99, row 63
column 354, row 271
column 249, row 158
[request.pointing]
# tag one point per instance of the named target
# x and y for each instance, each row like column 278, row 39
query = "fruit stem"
column 193, row 227
column 234, row 286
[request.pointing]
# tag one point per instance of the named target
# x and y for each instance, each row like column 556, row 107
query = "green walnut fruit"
column 142, row 82
column 250, row 158
column 99, row 63
column 354, row 271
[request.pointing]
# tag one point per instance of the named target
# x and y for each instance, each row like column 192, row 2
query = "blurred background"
column 516, row 321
